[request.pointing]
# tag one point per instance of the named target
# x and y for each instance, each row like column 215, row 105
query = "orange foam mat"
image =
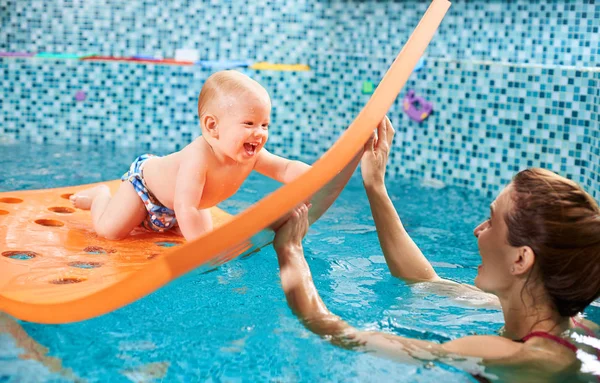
column 53, row 288
column 44, row 240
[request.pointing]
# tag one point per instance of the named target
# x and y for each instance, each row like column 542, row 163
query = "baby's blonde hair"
column 227, row 82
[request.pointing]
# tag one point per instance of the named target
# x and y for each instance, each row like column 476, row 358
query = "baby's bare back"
column 221, row 182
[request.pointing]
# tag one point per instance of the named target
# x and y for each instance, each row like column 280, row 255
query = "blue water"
column 233, row 324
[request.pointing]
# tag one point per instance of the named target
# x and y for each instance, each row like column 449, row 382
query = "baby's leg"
column 115, row 217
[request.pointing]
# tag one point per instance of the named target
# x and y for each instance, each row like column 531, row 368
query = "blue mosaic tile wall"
column 154, row 106
column 494, row 120
column 231, row 29
column 490, row 120
column 514, row 83
column 592, row 141
column 552, row 32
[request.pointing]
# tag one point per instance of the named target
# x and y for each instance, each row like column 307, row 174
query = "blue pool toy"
column 420, row 65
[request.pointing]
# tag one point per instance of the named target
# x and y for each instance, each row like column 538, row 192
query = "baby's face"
column 243, row 127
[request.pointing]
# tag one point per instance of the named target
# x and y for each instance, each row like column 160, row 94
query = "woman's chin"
column 480, row 283
column 476, row 282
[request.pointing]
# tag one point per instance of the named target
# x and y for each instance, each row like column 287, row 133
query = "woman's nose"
column 479, row 229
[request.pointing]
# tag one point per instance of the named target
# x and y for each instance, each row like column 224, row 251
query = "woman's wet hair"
column 560, row 222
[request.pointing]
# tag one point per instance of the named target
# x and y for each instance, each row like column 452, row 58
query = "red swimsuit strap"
column 582, row 326
column 589, row 332
column 557, row 339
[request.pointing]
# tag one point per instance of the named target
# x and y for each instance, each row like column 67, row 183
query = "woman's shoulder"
column 542, row 355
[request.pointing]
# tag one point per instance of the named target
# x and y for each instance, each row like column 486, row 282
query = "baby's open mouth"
column 250, row 148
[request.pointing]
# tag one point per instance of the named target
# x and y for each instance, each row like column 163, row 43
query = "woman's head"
column 545, row 229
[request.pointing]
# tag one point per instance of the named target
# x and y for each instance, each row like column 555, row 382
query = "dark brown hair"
column 560, row 222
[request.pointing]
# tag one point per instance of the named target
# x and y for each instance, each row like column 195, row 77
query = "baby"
column 159, row 192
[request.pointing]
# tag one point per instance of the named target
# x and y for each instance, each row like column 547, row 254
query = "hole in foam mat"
column 168, row 243
column 85, row 265
column 66, row 195
column 20, row 255
column 49, row 222
column 11, row 200
column 3, row 212
column 66, row 280
column 61, row 209
column 95, row 250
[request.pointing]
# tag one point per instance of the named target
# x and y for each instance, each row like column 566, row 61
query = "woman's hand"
column 292, row 232
column 376, row 153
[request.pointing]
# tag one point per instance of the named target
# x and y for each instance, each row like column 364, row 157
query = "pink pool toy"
column 80, row 95
column 417, row 108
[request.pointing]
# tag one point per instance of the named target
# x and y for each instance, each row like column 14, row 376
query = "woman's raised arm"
column 404, row 258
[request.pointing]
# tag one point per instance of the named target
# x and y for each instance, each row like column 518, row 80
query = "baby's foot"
column 83, row 200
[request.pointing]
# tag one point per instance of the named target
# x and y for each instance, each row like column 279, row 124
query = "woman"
column 540, row 253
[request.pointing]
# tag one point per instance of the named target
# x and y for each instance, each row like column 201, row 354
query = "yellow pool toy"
column 279, row 67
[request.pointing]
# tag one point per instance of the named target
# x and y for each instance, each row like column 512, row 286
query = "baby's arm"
column 188, row 194
column 279, row 168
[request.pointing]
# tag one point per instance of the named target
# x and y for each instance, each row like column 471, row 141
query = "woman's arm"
column 296, row 279
column 406, row 261
column 305, row 302
column 404, row 258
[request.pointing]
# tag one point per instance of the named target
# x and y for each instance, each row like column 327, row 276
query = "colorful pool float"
column 137, row 60
column 55, row 270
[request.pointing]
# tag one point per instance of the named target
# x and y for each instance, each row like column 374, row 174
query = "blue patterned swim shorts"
column 159, row 218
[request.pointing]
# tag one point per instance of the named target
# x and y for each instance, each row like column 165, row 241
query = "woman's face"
column 494, row 274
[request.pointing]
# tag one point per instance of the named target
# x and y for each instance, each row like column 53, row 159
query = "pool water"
column 233, row 324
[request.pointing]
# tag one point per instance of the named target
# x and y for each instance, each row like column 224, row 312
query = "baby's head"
column 234, row 113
